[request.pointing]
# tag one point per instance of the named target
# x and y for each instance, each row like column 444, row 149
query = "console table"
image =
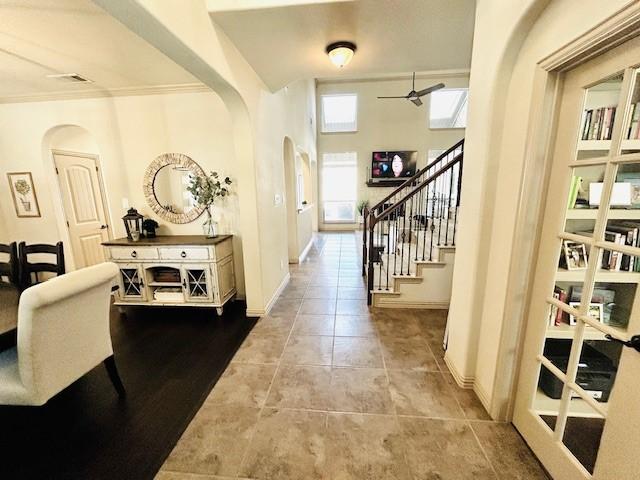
column 174, row 270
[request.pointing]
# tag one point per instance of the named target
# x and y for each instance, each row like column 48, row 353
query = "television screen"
column 392, row 165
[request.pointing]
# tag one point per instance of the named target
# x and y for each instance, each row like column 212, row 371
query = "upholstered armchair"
column 63, row 333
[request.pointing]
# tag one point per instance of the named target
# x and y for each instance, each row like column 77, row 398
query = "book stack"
column 623, row 233
column 633, row 132
column 598, row 123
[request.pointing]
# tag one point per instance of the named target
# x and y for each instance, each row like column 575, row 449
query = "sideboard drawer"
column 186, row 253
column 128, row 253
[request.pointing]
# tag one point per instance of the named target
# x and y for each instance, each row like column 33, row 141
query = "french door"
column 578, row 398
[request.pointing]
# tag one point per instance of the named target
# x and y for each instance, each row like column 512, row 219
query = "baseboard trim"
column 461, row 380
column 305, row 251
column 385, row 300
column 253, row 312
column 483, row 397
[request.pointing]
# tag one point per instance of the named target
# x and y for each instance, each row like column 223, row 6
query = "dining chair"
column 63, row 333
column 9, row 269
column 30, row 272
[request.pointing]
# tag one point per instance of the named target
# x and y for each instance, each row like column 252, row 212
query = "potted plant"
column 362, row 204
column 205, row 189
column 149, row 226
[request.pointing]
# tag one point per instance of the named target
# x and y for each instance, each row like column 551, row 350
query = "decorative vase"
column 209, row 226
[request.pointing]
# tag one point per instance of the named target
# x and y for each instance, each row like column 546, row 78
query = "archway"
column 289, row 159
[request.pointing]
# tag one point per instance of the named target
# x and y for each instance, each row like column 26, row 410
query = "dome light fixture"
column 341, row 53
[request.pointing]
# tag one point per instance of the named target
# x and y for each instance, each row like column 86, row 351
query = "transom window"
column 448, row 108
column 339, row 113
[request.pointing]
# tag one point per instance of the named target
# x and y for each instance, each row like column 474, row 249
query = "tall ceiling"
column 285, row 40
column 43, row 37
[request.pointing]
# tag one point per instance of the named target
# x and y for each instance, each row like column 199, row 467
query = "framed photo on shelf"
column 575, row 255
column 596, row 311
column 632, row 179
column 24, row 196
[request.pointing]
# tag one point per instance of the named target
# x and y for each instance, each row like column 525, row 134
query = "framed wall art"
column 24, row 196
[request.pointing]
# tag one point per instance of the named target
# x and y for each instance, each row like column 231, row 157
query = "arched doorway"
column 289, row 157
column 81, row 207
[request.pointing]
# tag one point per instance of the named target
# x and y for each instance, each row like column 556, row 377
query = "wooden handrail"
column 420, row 172
column 376, row 218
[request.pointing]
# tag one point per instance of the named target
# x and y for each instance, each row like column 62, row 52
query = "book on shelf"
column 622, row 233
column 633, row 132
column 557, row 316
column 598, row 123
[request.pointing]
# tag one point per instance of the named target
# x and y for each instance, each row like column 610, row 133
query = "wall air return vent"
column 69, row 77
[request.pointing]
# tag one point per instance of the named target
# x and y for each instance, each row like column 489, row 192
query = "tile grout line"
column 266, row 398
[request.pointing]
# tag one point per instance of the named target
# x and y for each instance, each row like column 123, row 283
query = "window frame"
column 354, row 201
column 323, row 123
column 459, row 108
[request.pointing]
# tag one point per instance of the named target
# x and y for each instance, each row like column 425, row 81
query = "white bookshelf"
column 605, row 145
column 604, row 276
column 614, row 214
column 544, row 405
column 566, row 332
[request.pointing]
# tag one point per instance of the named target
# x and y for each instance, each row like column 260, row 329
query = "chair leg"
column 112, row 370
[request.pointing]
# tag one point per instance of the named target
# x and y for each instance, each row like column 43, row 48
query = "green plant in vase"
column 205, row 189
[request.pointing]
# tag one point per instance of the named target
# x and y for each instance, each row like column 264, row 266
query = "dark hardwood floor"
column 169, row 360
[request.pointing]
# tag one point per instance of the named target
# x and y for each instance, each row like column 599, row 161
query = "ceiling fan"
column 415, row 96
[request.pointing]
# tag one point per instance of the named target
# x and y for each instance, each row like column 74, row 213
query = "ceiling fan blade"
column 393, row 97
column 416, row 101
column 432, row 88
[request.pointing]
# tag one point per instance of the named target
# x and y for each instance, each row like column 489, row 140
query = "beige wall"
column 127, row 133
column 508, row 43
column 385, row 125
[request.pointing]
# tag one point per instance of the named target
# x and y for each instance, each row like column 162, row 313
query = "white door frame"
column 539, row 145
column 58, row 196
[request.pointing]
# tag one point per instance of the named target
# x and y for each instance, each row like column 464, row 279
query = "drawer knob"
column 183, row 254
column 134, row 254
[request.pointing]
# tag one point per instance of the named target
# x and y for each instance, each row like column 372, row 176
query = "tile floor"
column 324, row 388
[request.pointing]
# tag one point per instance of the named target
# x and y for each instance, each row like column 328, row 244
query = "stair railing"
column 404, row 189
column 423, row 211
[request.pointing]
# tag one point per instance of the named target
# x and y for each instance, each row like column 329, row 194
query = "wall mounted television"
column 394, row 165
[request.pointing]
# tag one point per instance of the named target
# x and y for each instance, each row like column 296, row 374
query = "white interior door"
column 84, row 209
column 578, row 403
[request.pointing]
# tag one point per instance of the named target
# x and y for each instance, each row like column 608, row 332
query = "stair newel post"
column 365, row 217
column 394, row 217
column 446, row 234
column 403, row 209
column 458, row 190
column 410, row 234
column 372, row 250
column 432, row 228
column 388, row 220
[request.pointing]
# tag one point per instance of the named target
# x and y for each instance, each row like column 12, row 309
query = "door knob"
column 633, row 343
column 102, row 227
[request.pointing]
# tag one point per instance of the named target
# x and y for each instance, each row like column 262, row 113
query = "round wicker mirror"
column 165, row 188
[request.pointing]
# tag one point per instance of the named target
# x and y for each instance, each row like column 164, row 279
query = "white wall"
column 391, row 124
column 508, row 43
column 127, row 133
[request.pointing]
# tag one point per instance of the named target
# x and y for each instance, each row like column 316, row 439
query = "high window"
column 339, row 181
column 339, row 113
column 449, row 108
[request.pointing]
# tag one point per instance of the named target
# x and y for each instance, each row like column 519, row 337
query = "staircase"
column 408, row 244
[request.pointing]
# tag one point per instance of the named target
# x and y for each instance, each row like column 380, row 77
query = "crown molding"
column 389, row 77
column 613, row 31
column 103, row 93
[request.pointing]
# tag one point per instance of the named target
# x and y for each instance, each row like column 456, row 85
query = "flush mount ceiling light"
column 341, row 53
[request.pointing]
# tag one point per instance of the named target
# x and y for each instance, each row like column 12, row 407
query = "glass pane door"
column 131, row 283
column 196, row 283
column 584, row 300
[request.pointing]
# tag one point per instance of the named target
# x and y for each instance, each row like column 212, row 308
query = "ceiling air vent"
column 69, row 77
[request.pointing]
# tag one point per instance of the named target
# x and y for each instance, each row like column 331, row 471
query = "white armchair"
column 63, row 333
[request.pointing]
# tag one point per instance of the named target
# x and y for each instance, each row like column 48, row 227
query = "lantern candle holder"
column 133, row 224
